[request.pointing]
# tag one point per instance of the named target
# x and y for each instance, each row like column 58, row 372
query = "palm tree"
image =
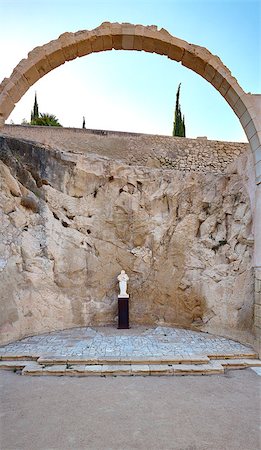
column 47, row 120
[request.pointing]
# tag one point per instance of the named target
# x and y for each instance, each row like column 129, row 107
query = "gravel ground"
column 126, row 413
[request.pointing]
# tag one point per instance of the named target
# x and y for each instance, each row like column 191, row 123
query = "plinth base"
column 123, row 313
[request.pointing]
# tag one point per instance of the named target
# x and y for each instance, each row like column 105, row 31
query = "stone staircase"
column 114, row 366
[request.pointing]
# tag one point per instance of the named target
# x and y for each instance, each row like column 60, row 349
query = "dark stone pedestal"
column 123, row 313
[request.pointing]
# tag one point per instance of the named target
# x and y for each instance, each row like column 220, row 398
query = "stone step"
column 14, row 365
column 62, row 366
column 239, row 363
column 177, row 359
column 110, row 360
column 250, row 355
column 210, row 368
column 124, row 366
column 16, row 357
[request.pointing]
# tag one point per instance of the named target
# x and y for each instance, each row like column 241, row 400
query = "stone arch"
column 108, row 36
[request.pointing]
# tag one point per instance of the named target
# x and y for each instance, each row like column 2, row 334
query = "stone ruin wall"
column 81, row 206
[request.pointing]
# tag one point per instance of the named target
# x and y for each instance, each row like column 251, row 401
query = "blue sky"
column 135, row 91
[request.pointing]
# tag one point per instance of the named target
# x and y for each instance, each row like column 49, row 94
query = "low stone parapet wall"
column 168, row 152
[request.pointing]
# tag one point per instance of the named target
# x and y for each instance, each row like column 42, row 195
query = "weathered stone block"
column 128, row 42
column 239, row 108
column 7, row 104
column 84, row 46
column 209, row 72
column 175, row 52
column 96, row 41
column 43, row 66
column 55, row 57
column 140, row 369
column 19, row 84
column 107, row 42
column 224, row 87
column 117, row 42
column 137, row 43
column 217, row 80
column 250, row 129
column 231, row 97
column 258, row 169
column 245, row 118
column 138, row 34
column 161, row 369
column 192, row 61
column 69, row 46
column 255, row 142
column 128, row 29
column 161, row 47
column 32, row 75
column 148, row 44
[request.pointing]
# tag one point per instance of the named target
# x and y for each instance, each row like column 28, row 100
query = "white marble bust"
column 123, row 278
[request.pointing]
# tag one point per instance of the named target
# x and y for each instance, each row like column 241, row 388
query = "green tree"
column 35, row 111
column 179, row 128
column 48, row 120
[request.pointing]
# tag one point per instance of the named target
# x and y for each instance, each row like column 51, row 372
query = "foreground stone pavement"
column 138, row 351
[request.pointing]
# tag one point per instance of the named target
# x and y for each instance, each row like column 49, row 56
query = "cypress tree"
column 35, row 111
column 179, row 128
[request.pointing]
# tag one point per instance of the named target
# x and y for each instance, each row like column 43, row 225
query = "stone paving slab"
column 12, row 365
column 204, row 369
column 190, row 359
column 17, row 356
column 238, row 363
column 140, row 369
column 163, row 369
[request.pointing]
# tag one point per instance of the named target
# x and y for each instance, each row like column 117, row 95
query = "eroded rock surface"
column 70, row 223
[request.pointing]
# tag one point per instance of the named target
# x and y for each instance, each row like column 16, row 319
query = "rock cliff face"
column 70, row 223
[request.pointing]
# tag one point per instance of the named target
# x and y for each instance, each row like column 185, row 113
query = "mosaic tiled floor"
column 109, row 351
column 108, row 341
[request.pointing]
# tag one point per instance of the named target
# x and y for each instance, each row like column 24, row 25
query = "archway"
column 126, row 36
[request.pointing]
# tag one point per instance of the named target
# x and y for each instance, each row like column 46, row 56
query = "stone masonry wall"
column 152, row 150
